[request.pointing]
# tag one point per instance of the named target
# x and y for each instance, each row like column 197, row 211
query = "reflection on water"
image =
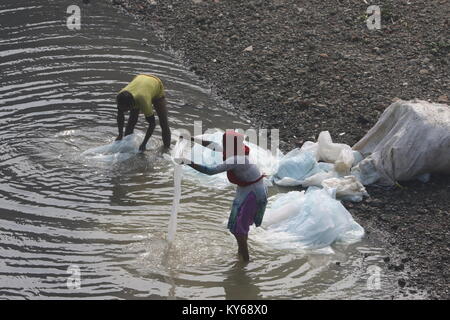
column 60, row 208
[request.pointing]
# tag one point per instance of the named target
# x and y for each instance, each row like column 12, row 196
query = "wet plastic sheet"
column 410, row 139
column 117, row 151
column 300, row 167
column 309, row 221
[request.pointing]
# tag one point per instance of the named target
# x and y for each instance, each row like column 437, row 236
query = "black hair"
column 125, row 98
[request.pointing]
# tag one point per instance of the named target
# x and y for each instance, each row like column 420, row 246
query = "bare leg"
column 161, row 109
column 242, row 246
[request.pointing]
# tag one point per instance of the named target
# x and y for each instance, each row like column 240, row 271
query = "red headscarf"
column 235, row 140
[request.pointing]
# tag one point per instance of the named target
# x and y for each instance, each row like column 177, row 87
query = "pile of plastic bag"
column 410, row 140
column 308, row 220
column 322, row 164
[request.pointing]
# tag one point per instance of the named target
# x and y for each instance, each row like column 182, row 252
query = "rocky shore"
column 308, row 66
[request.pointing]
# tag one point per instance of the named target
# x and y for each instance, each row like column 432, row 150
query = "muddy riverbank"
column 309, row 66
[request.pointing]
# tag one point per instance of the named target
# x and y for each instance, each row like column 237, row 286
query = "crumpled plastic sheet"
column 301, row 167
column 345, row 188
column 308, row 220
column 294, row 167
column 117, row 151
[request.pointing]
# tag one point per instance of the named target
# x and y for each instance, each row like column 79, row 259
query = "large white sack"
column 411, row 138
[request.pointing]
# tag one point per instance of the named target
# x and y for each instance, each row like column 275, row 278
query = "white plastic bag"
column 316, row 180
column 344, row 162
column 319, row 221
column 366, row 172
column 294, row 167
column 311, row 147
column 346, row 188
column 282, row 207
column 117, row 151
column 327, row 150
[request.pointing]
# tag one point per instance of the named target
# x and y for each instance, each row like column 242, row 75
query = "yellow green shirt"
column 144, row 88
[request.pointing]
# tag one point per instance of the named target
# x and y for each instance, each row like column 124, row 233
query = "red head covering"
column 235, row 140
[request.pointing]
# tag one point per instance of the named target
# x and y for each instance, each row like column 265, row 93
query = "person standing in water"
column 250, row 200
column 143, row 93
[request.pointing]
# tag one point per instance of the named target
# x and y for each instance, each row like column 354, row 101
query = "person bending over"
column 140, row 96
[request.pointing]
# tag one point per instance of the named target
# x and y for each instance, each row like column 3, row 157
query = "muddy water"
column 65, row 216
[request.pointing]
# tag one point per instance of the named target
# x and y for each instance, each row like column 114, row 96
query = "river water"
column 65, row 216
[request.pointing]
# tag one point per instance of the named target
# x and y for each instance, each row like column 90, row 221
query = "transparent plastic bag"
column 116, row 151
column 345, row 188
column 294, row 167
column 344, row 162
column 366, row 172
column 327, row 150
column 319, row 221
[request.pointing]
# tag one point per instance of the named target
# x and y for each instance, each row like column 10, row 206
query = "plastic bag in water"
column 116, row 151
column 318, row 221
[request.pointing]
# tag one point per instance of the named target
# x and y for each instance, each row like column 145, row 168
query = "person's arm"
column 151, row 126
column 132, row 120
column 229, row 164
column 208, row 144
column 120, row 121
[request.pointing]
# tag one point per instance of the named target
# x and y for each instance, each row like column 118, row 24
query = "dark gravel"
column 308, row 66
